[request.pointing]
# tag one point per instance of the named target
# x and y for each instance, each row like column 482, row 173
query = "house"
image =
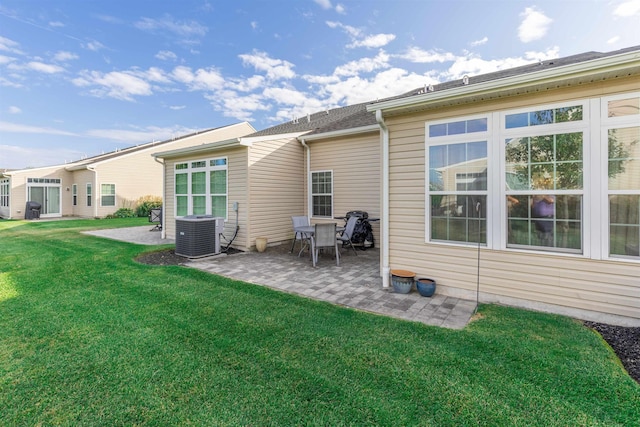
column 302, row 167
column 98, row 186
column 465, row 162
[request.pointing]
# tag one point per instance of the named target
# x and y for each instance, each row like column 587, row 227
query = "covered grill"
column 32, row 210
column 362, row 234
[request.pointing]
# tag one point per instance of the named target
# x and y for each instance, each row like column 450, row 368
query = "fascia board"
column 213, row 146
column 582, row 69
column 249, row 141
column 342, row 132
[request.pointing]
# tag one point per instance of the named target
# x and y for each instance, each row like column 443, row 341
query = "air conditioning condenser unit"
column 198, row 235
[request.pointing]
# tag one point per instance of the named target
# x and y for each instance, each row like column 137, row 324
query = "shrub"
column 146, row 203
column 124, row 213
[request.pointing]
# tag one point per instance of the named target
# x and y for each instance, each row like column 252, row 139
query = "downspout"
column 163, row 233
column 384, row 229
column 307, row 150
column 95, row 191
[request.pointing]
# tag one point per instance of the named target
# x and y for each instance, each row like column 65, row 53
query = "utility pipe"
column 163, row 233
column 307, row 150
column 384, row 229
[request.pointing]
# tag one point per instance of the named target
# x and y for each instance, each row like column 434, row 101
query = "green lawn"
column 90, row 337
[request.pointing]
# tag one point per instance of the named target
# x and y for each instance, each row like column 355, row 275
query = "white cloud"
column 153, row 74
column 534, row 25
column 63, row 56
column 480, row 42
column 358, row 39
column 94, row 46
column 627, row 8
column 116, row 84
column 240, row 107
column 56, row 24
column 166, row 55
column 254, row 25
column 14, row 110
column 18, row 128
column 613, row 40
column 15, row 156
column 340, row 9
column 177, row 107
column 167, row 23
column 44, row 68
column 366, row 65
column 10, row 46
column 6, row 59
column 325, row 4
column 209, row 79
column 420, row 56
column 137, row 134
column 275, row 69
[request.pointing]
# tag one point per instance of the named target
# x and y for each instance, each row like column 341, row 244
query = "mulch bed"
column 625, row 341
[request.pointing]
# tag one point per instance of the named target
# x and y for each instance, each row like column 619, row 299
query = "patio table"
column 309, row 230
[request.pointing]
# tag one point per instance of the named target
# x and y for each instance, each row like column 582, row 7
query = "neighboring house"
column 567, row 129
column 257, row 182
column 100, row 185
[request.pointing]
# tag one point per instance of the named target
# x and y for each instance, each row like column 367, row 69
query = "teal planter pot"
column 426, row 287
column 402, row 281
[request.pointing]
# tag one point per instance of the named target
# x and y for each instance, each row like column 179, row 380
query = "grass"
column 90, row 337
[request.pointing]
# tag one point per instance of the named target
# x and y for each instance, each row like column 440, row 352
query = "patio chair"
column 324, row 236
column 345, row 238
column 299, row 221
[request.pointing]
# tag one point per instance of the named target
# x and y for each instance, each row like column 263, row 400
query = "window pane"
column 624, row 159
column 198, row 183
column 517, row 120
column 181, row 183
column 181, row 205
column 180, row 166
column 437, row 130
column 218, row 162
column 200, row 164
column 624, row 107
column 477, row 125
column 456, row 128
column 458, row 167
column 218, row 182
column 624, row 219
column 219, row 206
column 542, row 117
column 551, row 221
column 458, row 218
column 199, row 205
column 322, row 205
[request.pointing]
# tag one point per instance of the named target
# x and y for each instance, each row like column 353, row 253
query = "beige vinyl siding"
column 355, row 162
column 510, row 276
column 276, row 189
column 18, row 189
column 134, row 176
column 82, row 178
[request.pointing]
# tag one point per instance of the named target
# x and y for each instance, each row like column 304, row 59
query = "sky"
column 83, row 77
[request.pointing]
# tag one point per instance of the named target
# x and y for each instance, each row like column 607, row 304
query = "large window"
column 561, row 178
column 108, row 195
column 623, row 176
column 322, row 193
column 457, row 181
column 201, row 187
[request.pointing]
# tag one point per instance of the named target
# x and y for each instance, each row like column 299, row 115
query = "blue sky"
column 79, row 78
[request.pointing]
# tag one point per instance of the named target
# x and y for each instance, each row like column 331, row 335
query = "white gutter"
column 587, row 70
column 307, row 151
column 163, row 233
column 342, row 132
column 95, row 191
column 384, row 227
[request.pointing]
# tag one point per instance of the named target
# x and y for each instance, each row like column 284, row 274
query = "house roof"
column 81, row 164
column 542, row 75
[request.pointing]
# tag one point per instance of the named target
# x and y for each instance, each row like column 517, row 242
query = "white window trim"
column 605, row 123
column 491, row 175
column 89, row 186
column 595, row 205
column 115, row 201
column 189, row 170
column 321, row 194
